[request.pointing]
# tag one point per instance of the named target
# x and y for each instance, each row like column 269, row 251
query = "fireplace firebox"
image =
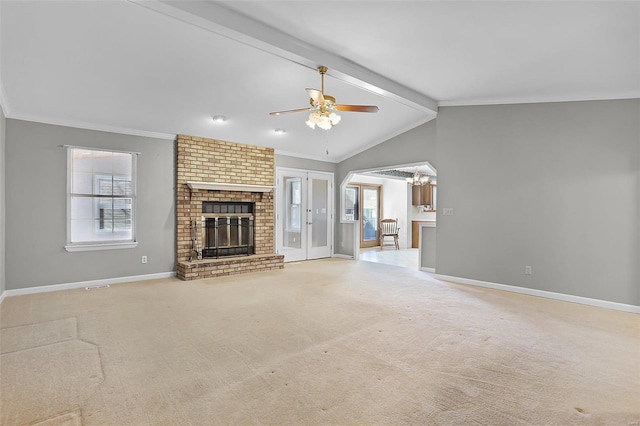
column 227, row 229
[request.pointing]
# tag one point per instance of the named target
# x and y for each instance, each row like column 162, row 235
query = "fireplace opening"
column 227, row 229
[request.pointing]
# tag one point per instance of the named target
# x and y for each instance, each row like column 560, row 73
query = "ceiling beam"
column 216, row 18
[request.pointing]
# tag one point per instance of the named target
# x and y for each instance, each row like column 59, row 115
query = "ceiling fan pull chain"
column 326, row 136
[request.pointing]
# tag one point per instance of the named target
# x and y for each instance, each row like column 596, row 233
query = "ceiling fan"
column 323, row 107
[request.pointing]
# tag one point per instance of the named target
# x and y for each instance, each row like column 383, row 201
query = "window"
column 100, row 199
column 293, row 203
column 351, row 203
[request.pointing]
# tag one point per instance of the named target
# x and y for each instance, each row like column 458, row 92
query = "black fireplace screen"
column 227, row 229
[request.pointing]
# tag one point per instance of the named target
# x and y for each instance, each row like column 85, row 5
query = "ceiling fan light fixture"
column 324, row 120
column 323, row 107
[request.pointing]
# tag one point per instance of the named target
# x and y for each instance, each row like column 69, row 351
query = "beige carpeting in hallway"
column 320, row 342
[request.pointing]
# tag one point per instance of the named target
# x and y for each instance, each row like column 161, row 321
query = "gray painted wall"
column 555, row 186
column 343, row 243
column 416, row 145
column 428, row 249
column 2, row 200
column 36, row 173
column 304, row 164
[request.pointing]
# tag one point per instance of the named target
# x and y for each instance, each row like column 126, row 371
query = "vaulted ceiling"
column 166, row 67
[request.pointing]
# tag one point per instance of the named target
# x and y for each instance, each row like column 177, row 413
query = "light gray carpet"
column 322, row 342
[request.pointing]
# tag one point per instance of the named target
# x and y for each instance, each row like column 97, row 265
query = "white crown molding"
column 542, row 293
column 395, row 166
column 305, row 156
column 84, row 284
column 540, row 99
column 91, row 126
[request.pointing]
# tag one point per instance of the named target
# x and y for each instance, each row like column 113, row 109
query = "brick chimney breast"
column 209, row 160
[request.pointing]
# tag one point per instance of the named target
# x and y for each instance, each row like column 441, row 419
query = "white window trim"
column 106, row 245
column 100, row 246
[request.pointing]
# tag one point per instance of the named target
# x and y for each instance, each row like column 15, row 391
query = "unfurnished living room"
column 191, row 194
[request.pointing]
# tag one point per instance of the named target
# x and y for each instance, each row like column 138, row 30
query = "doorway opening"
column 411, row 203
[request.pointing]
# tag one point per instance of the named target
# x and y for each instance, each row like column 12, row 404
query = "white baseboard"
column 425, row 269
column 542, row 293
column 342, row 256
column 83, row 284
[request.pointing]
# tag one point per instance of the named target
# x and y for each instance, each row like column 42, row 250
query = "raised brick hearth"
column 213, row 161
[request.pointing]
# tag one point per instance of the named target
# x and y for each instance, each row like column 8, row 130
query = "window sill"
column 96, row 247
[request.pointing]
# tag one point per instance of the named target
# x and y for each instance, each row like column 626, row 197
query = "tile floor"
column 407, row 258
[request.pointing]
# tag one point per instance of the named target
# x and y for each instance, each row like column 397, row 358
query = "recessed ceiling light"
column 219, row 118
column 280, row 131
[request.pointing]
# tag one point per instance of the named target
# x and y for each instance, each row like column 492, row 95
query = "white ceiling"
column 166, row 67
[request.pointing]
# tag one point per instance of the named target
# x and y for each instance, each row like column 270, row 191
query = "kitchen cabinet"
column 424, row 195
column 416, row 195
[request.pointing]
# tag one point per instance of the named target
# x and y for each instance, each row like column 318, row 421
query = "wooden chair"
column 389, row 228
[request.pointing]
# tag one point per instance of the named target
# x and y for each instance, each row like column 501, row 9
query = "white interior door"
column 304, row 228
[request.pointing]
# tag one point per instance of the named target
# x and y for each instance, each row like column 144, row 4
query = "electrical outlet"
column 447, row 211
column 528, row 270
column 144, row 259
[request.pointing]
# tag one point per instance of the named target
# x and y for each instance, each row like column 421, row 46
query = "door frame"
column 306, row 211
column 376, row 242
column 361, row 243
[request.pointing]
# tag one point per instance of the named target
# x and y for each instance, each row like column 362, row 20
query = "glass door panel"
column 319, row 215
column 319, row 190
column 292, row 216
column 292, row 212
column 370, row 202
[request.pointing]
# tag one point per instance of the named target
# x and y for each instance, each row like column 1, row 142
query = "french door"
column 369, row 215
column 304, row 216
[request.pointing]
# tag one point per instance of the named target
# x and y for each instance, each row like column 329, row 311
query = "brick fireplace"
column 227, row 175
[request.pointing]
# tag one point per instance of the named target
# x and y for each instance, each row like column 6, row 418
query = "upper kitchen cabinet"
column 424, row 195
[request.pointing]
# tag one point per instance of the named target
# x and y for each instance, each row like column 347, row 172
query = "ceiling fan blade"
column 288, row 111
column 316, row 95
column 356, row 108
